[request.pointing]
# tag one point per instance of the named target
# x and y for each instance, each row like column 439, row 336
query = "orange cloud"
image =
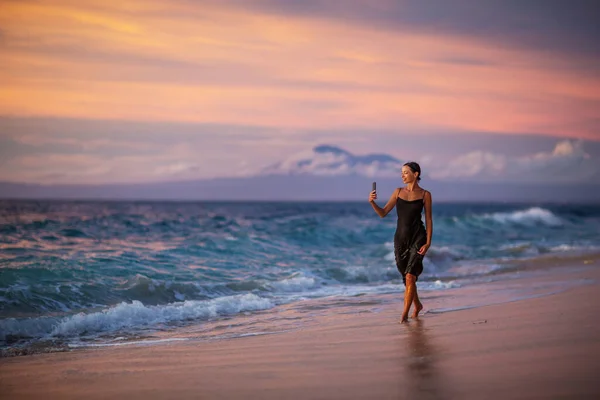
column 176, row 61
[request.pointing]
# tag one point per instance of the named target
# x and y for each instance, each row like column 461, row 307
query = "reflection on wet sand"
column 422, row 376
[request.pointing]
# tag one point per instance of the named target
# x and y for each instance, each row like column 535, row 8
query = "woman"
column 412, row 239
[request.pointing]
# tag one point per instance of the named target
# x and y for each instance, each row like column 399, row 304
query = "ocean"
column 83, row 273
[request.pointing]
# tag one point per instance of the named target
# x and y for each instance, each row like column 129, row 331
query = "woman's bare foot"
column 418, row 308
column 404, row 318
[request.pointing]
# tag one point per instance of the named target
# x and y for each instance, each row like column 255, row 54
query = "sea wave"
column 75, row 268
column 125, row 316
column 529, row 216
column 297, row 283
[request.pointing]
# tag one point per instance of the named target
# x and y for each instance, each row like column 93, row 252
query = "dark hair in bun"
column 414, row 167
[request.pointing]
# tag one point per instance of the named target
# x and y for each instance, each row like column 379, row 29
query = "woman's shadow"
column 422, row 375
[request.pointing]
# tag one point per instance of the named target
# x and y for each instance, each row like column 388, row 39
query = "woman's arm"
column 428, row 222
column 382, row 212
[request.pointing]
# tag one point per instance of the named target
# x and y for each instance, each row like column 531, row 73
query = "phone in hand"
column 374, row 186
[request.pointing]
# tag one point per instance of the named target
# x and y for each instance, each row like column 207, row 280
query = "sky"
column 133, row 91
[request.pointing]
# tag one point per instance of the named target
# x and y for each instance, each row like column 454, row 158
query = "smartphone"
column 374, row 186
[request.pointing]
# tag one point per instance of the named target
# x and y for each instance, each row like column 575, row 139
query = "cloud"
column 298, row 65
column 177, row 168
column 52, row 150
column 567, row 28
column 327, row 160
column 567, row 162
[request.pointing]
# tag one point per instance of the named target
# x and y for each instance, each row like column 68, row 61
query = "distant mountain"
column 328, row 160
column 326, row 173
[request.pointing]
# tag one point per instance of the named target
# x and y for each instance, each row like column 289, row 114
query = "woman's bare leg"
column 409, row 294
column 418, row 305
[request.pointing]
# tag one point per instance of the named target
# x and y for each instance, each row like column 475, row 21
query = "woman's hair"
column 414, row 167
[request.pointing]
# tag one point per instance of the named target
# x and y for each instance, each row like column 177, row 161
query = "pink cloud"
column 209, row 63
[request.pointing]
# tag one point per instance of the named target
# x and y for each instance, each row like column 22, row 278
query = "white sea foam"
column 573, row 248
column 127, row 343
column 355, row 290
column 136, row 314
column 133, row 315
column 297, row 283
column 369, row 273
column 526, row 217
column 522, row 248
column 456, row 251
column 473, row 268
column 438, row 285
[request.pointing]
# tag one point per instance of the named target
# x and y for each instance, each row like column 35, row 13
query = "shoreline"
column 509, row 284
column 545, row 347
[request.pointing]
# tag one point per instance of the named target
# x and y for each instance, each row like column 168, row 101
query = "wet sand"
column 546, row 347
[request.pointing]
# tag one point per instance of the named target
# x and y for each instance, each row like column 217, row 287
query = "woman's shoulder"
column 426, row 194
column 425, row 191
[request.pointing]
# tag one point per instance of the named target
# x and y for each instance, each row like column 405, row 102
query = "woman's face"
column 407, row 175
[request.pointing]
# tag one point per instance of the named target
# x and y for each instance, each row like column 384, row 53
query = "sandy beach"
column 545, row 347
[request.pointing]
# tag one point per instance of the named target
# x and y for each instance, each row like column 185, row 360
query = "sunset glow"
column 206, row 63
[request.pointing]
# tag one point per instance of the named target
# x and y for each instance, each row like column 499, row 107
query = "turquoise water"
column 85, row 270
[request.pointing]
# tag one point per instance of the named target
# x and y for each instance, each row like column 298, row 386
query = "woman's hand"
column 373, row 196
column 424, row 249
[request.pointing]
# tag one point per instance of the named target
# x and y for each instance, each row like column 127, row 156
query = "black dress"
column 410, row 236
